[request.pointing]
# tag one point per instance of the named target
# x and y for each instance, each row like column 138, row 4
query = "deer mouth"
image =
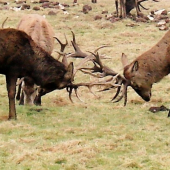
column 144, row 94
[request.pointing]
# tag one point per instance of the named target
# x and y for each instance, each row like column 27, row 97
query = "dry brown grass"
column 96, row 134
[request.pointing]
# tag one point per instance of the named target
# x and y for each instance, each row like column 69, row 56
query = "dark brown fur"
column 149, row 68
column 21, row 57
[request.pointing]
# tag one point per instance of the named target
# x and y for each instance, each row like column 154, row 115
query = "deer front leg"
column 122, row 9
column 19, row 92
column 11, row 88
column 41, row 92
column 37, row 100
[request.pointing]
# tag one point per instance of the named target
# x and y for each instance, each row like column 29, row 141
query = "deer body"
column 21, row 57
column 127, row 5
column 149, row 68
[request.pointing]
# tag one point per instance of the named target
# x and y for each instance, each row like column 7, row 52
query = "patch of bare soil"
column 61, row 102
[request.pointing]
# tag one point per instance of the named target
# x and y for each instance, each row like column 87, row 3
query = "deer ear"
column 124, row 60
column 135, row 66
column 69, row 74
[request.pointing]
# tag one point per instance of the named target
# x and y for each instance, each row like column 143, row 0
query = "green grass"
column 96, row 134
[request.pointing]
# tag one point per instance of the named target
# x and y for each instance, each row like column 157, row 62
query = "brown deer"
column 42, row 33
column 21, row 57
column 127, row 5
column 149, row 68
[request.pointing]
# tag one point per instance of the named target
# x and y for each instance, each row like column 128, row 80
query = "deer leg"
column 124, row 8
column 41, row 92
column 137, row 7
column 37, row 100
column 18, row 92
column 117, row 8
column 21, row 102
column 11, row 88
column 121, row 6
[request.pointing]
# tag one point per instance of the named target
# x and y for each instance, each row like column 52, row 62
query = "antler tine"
column 92, row 74
column 124, row 92
column 64, row 59
column 118, row 90
column 85, row 60
column 63, row 45
column 97, row 59
column 103, row 46
column 74, row 39
column 78, row 53
column 89, row 86
column 69, row 90
column 4, row 22
column 75, row 87
column 140, row 5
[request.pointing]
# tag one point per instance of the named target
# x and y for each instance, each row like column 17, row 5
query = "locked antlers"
column 98, row 70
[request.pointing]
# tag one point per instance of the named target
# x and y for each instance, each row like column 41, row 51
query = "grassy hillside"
column 95, row 134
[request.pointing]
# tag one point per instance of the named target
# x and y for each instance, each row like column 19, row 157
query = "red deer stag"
column 148, row 68
column 127, row 5
column 21, row 57
column 43, row 35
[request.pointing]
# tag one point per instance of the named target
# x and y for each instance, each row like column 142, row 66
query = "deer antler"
column 98, row 70
column 63, row 46
column 4, row 22
column 78, row 53
column 106, row 71
column 140, row 5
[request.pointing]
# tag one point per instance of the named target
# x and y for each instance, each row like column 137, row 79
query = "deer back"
column 39, row 29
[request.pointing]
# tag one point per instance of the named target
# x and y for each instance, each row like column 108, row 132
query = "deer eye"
column 135, row 86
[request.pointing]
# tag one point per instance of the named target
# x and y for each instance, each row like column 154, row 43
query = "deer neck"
column 47, row 70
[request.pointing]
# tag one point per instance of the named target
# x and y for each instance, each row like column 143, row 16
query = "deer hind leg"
column 117, row 8
column 122, row 8
column 11, row 88
column 137, row 7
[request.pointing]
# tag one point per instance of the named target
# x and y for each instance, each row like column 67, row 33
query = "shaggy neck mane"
column 46, row 65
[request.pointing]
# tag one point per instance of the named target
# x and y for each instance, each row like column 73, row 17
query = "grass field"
column 95, row 134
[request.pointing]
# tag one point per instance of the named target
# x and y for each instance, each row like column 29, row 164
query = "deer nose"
column 147, row 97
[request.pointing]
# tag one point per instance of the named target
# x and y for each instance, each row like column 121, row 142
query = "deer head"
column 139, row 79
